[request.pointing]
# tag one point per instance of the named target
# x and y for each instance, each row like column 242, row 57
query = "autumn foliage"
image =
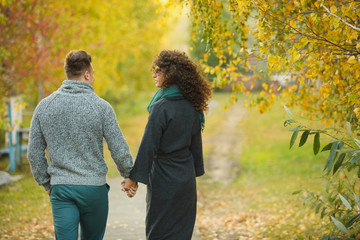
column 314, row 43
column 28, row 52
column 122, row 37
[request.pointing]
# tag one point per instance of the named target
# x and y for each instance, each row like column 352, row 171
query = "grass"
column 269, row 173
column 25, row 210
column 277, row 171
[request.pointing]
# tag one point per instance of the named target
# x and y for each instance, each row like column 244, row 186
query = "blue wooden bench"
column 15, row 152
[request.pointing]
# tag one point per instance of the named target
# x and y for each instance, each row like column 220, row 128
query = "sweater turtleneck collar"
column 75, row 86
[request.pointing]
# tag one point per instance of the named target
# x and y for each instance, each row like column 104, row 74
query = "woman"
column 170, row 154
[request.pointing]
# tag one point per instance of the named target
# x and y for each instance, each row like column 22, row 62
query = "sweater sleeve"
column 36, row 153
column 149, row 144
column 117, row 144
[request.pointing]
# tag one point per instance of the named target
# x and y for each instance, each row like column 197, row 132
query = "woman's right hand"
column 129, row 186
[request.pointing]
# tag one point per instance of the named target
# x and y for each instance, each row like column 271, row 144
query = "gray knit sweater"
column 71, row 123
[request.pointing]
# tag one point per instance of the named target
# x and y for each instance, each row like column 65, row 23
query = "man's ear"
column 86, row 75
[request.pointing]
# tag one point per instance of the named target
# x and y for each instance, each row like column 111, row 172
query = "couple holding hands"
column 71, row 124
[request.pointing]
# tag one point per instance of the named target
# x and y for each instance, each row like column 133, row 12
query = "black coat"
column 168, row 161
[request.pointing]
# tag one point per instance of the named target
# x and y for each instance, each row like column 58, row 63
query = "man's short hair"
column 76, row 63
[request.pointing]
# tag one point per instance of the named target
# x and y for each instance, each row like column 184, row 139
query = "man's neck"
column 79, row 79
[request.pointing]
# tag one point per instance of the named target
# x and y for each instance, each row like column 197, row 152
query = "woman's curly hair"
column 180, row 70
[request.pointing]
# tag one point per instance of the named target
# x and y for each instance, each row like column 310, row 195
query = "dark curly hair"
column 179, row 69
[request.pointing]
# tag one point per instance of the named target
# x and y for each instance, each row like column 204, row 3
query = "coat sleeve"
column 149, row 144
column 36, row 153
column 117, row 144
column 197, row 153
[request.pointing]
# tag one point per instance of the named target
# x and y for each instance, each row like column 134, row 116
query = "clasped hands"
column 129, row 187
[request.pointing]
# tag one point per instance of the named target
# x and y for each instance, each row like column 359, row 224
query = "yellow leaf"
column 354, row 35
column 357, row 112
column 333, row 9
column 296, row 56
column 273, row 60
column 293, row 23
column 304, row 41
column 297, row 4
column 265, row 86
column 352, row 60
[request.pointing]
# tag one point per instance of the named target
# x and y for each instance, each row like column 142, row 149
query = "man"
column 71, row 123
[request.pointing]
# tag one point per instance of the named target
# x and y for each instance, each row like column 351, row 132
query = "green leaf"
column 316, row 145
column 348, row 127
column 330, row 160
column 294, row 136
column 357, row 141
column 327, row 147
column 345, row 165
column 357, row 199
column 355, row 159
column 349, row 150
column 322, row 214
column 339, row 162
column 288, row 122
column 288, row 111
column 345, row 202
column 304, row 137
column 340, row 226
column 340, row 145
column 292, row 129
column 297, row 192
column 352, row 221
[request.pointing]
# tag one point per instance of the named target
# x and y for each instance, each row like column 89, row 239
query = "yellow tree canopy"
column 121, row 36
column 315, row 43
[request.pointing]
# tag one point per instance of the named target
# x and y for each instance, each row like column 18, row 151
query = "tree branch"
column 348, row 24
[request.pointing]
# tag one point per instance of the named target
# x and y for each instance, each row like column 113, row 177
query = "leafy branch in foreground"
column 341, row 202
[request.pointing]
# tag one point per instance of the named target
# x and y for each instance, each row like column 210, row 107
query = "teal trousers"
column 79, row 204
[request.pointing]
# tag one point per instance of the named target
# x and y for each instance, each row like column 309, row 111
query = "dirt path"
column 221, row 162
column 220, row 213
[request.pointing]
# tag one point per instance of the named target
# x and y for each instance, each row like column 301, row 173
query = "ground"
column 216, row 219
column 245, row 193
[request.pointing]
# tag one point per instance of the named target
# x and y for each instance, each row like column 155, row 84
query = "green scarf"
column 172, row 91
